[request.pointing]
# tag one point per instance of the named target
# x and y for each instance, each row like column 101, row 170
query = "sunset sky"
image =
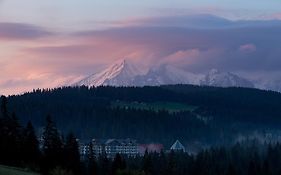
column 50, row 43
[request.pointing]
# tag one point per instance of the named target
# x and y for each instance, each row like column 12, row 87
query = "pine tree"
column 253, row 168
column 162, row 162
column 118, row 164
column 52, row 147
column 3, row 108
column 231, row 170
column 72, row 155
column 104, row 164
column 265, row 168
column 171, row 168
column 10, row 136
column 147, row 164
column 31, row 152
column 91, row 161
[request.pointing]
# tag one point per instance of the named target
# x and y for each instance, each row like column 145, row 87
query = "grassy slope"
column 5, row 170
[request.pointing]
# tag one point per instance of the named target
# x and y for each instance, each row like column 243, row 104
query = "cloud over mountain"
column 194, row 43
column 234, row 45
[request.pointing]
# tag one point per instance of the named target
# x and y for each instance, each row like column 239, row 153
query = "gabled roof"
column 112, row 142
column 177, row 146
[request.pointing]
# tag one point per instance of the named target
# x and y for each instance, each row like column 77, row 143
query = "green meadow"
column 5, row 170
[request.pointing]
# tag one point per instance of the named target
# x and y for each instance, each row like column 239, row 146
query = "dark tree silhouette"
column 72, row 155
column 118, row 164
column 231, row 170
column 31, row 152
column 52, row 147
column 4, row 109
column 104, row 164
column 147, row 164
column 91, row 164
column 10, row 136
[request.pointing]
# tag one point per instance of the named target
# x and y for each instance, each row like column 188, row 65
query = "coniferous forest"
column 216, row 116
column 235, row 130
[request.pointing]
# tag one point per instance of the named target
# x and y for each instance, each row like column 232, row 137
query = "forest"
column 55, row 154
column 196, row 115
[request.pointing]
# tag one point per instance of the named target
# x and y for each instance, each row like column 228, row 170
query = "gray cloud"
column 21, row 31
column 197, row 44
column 167, row 36
column 19, row 82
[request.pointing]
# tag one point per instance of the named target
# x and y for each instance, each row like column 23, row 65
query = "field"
column 157, row 106
column 4, row 170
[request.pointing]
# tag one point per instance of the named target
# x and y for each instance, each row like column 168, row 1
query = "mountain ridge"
column 123, row 73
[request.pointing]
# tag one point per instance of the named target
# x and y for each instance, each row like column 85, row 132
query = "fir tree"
column 118, row 164
column 171, row 168
column 231, row 170
column 10, row 136
column 31, row 152
column 147, row 164
column 52, row 146
column 71, row 154
column 3, row 108
column 104, row 164
column 91, row 161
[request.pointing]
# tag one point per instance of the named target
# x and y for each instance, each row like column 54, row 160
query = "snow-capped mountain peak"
column 166, row 74
column 120, row 73
column 225, row 79
column 123, row 73
column 214, row 72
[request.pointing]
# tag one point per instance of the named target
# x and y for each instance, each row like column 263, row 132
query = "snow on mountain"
column 123, row 73
column 120, row 73
column 225, row 79
column 165, row 74
column 273, row 84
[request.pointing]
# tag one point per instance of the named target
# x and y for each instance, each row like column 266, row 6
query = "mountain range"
column 123, row 73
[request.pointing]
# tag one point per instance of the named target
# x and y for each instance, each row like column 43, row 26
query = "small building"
column 111, row 147
column 177, row 147
column 84, row 149
column 126, row 147
column 98, row 146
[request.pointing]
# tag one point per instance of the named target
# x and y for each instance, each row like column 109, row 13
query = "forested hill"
column 162, row 114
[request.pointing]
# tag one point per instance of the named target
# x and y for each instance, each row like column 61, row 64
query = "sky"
column 45, row 44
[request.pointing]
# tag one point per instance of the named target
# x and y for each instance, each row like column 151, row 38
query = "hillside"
column 5, row 170
column 208, row 115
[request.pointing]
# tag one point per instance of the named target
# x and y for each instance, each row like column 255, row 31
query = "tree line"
column 221, row 114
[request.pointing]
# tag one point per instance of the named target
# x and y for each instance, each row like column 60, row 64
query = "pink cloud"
column 247, row 48
column 274, row 16
column 183, row 56
column 48, row 60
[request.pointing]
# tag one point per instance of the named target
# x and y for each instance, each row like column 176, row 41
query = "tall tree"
column 147, row 164
column 71, row 154
column 118, row 164
column 10, row 136
column 31, row 152
column 104, row 164
column 92, row 166
column 231, row 170
column 3, row 108
column 171, row 168
column 52, row 146
column 265, row 168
